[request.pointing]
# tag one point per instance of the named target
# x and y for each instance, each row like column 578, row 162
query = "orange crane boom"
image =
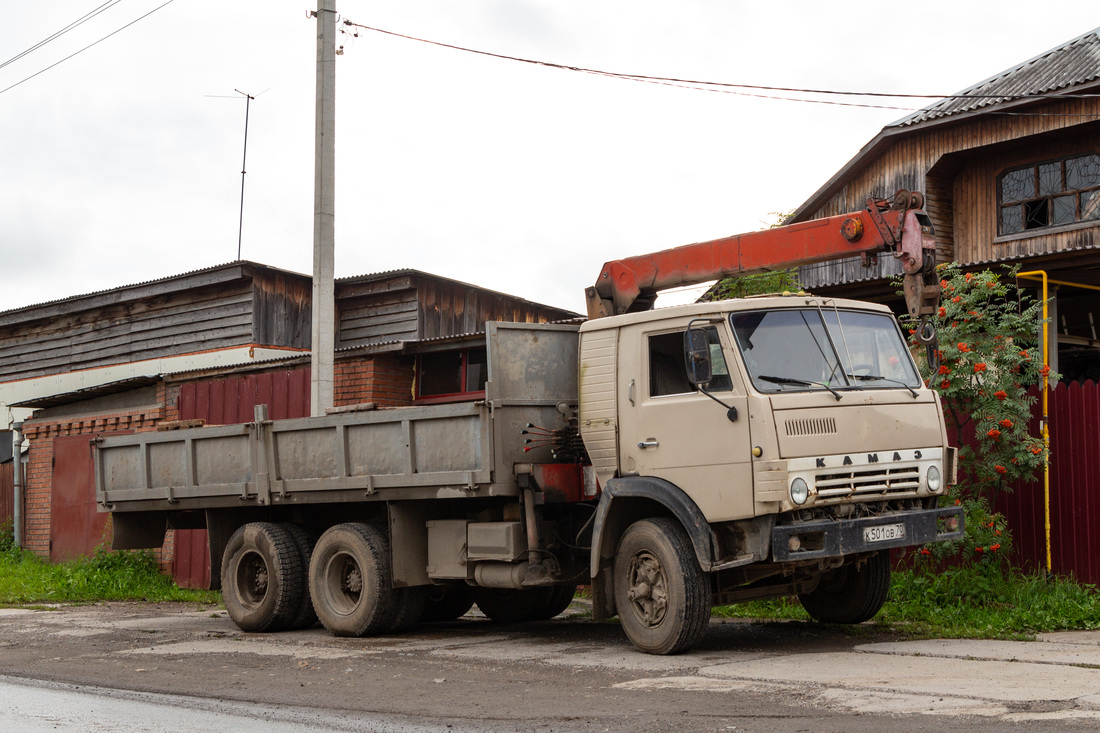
column 898, row 227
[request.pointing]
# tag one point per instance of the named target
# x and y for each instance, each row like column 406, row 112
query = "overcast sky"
column 123, row 163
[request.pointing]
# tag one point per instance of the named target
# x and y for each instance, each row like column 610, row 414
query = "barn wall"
column 164, row 325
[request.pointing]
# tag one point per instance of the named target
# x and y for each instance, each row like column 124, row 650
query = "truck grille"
column 811, row 426
column 869, row 483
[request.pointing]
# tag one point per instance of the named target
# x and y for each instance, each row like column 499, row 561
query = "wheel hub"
column 648, row 592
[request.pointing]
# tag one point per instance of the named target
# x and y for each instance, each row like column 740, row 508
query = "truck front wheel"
column 662, row 595
column 262, row 577
column 850, row 594
column 349, row 580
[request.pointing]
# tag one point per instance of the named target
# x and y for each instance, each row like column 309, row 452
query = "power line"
column 96, row 43
column 79, row 21
column 728, row 88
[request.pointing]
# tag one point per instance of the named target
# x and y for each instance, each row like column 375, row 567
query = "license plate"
column 884, row 532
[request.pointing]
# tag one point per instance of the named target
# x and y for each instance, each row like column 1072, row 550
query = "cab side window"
column 668, row 372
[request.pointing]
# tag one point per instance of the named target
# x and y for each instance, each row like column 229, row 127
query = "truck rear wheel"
column 508, row 605
column 556, row 599
column 262, row 577
column 850, row 594
column 304, row 617
column 350, row 582
column 447, row 602
column 408, row 608
column 661, row 594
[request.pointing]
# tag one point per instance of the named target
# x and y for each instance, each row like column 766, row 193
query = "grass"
column 26, row 578
column 974, row 602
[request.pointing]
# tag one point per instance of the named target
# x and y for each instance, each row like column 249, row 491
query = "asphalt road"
column 167, row 667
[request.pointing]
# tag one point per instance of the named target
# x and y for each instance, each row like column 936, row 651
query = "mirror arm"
column 731, row 411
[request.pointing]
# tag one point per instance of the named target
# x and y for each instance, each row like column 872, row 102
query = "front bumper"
column 837, row 538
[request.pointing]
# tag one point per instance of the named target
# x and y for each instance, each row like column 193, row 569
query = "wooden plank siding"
column 415, row 305
column 281, row 310
column 955, row 163
column 209, row 318
column 377, row 318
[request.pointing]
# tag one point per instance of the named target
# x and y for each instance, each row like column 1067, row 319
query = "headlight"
column 800, row 491
column 934, row 480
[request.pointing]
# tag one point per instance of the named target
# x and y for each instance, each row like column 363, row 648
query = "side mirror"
column 697, row 356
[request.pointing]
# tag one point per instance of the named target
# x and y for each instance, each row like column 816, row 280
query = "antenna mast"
column 244, row 160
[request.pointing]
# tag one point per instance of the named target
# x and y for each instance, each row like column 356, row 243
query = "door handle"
column 651, row 443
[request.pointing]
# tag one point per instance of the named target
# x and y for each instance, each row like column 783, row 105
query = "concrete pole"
column 324, row 230
column 17, row 475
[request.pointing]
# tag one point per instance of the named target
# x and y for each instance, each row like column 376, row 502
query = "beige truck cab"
column 761, row 447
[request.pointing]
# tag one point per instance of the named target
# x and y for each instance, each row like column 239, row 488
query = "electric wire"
column 78, row 22
column 90, row 45
column 729, row 88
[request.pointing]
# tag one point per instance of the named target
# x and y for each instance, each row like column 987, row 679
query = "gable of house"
column 1040, row 115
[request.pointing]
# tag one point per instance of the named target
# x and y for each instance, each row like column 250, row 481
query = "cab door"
column 671, row 430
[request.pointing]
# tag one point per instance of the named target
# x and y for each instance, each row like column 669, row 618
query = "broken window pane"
column 1036, row 214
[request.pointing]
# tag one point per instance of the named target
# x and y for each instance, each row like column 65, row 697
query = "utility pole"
column 324, row 229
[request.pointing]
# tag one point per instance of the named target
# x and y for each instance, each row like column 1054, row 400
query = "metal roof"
column 1068, row 65
column 1075, row 63
column 87, row 393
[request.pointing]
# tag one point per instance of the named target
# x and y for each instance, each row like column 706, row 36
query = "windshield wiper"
column 877, row 378
column 802, row 382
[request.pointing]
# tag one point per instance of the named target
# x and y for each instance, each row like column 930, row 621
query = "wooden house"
column 1010, row 171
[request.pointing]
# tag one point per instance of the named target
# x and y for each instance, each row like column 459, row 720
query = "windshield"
column 814, row 348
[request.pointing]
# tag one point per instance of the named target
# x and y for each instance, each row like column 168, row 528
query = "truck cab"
column 789, row 437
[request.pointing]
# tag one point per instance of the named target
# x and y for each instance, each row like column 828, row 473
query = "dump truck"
column 668, row 459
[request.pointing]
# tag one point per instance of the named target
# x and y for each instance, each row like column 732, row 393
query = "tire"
column 262, row 577
column 851, row 594
column 662, row 596
column 409, row 608
column 350, row 582
column 446, row 602
column 506, row 605
column 305, row 617
column 557, row 599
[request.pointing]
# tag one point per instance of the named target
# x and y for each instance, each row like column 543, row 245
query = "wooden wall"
column 418, row 306
column 281, row 310
column 162, row 325
column 955, row 163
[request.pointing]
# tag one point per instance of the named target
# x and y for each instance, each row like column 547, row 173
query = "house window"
column 451, row 376
column 1050, row 194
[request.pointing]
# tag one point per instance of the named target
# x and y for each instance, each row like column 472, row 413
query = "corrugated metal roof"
column 248, row 263
column 189, row 273
column 87, row 393
column 1073, row 63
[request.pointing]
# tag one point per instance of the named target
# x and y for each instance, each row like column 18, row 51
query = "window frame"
column 1047, row 200
column 463, row 395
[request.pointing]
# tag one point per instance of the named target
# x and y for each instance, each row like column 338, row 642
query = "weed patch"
column 979, row 602
column 106, row 576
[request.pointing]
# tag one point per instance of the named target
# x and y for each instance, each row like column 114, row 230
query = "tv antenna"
column 244, row 158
